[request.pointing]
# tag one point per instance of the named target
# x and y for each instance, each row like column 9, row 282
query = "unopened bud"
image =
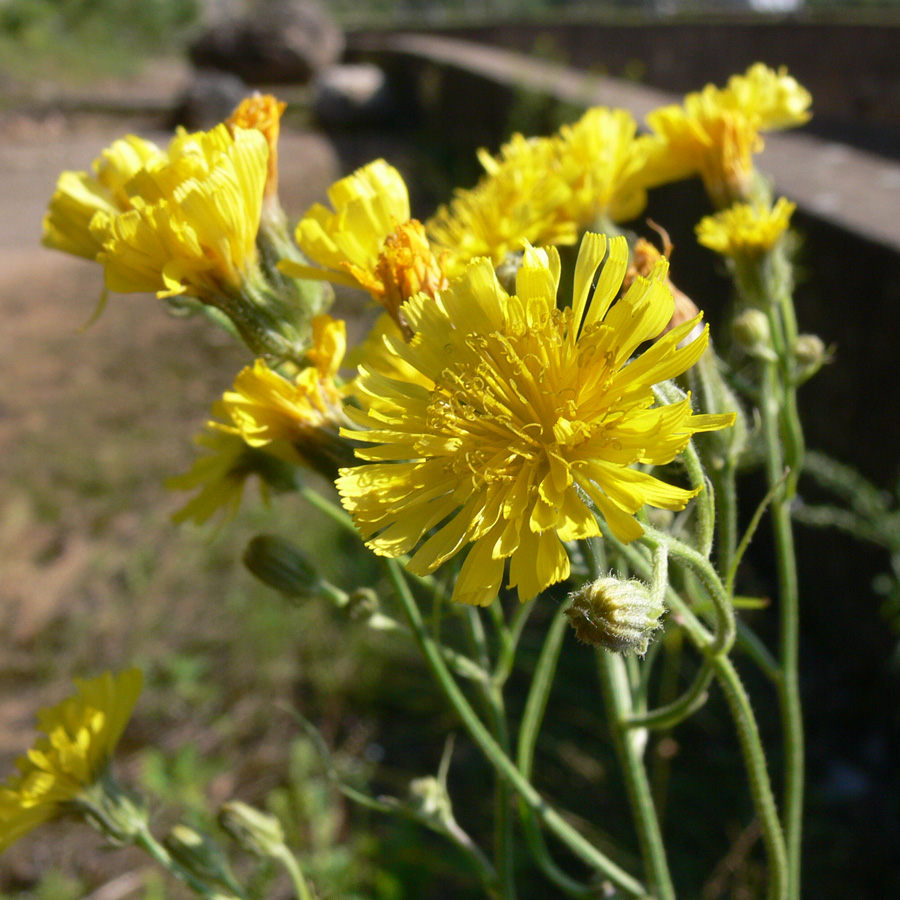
column 618, row 615
column 282, row 566
column 429, row 798
column 715, row 395
column 253, row 831
column 810, row 350
column 751, row 330
column 362, row 603
column 508, row 270
column 199, row 855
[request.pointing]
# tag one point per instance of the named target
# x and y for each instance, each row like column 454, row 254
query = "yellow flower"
column 305, row 412
column 81, row 734
column 535, row 416
column 369, row 241
column 603, row 163
column 520, row 199
column 79, row 195
column 193, row 220
column 219, row 476
column 717, row 130
column 262, row 112
column 745, row 230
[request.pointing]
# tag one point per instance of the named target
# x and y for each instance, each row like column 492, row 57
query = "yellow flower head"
column 522, row 198
column 81, row 734
column 369, row 241
column 302, row 416
column 193, row 219
column 79, row 195
column 717, row 130
column 745, row 230
column 531, row 426
column 602, row 160
column 262, row 112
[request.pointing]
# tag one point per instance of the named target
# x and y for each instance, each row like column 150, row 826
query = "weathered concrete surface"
column 846, row 187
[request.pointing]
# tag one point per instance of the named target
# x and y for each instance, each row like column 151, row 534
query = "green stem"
column 789, row 638
column 529, row 729
column 629, row 744
column 504, row 846
column 724, row 636
column 758, row 777
column 145, row 840
column 289, row 861
column 678, row 710
column 745, row 725
column 726, row 515
column 554, row 822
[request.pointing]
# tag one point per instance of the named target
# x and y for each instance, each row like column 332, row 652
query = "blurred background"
column 94, row 417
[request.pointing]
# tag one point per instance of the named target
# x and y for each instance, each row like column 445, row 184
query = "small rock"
column 281, row 42
column 350, row 95
column 209, row 99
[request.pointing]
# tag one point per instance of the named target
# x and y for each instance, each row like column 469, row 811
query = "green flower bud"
column 430, row 800
column 255, row 832
column 715, row 395
column 810, row 354
column 199, row 855
column 751, row 330
column 280, row 565
column 618, row 615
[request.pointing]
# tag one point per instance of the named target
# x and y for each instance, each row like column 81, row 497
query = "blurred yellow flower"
column 220, row 474
column 603, row 162
column 79, row 195
column 534, row 419
column 369, row 241
column 715, row 133
column 522, row 198
column 193, row 220
column 745, row 230
column 305, row 412
column 81, row 734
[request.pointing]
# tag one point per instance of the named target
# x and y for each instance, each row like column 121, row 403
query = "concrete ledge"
column 846, row 187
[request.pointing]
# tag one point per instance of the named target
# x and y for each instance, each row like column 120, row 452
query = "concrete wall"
column 852, row 70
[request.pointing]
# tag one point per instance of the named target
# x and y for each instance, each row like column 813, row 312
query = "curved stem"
column 678, row 710
column 758, row 776
column 289, row 861
column 724, row 636
column 529, row 729
column 581, row 847
column 629, row 744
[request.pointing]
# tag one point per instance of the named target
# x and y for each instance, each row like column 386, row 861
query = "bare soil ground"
column 93, row 574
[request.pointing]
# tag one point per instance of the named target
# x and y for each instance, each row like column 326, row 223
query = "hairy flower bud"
column 618, row 615
column 751, row 330
column 282, row 566
column 255, row 832
column 198, row 854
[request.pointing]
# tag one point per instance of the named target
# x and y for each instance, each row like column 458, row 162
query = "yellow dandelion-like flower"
column 81, row 734
column 369, row 241
column 746, row 230
column 522, row 198
column 602, row 160
column 79, row 195
column 715, row 133
column 193, row 220
column 262, row 112
column 534, row 419
column 220, row 474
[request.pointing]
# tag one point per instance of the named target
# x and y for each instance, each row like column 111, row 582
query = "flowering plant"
column 523, row 426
